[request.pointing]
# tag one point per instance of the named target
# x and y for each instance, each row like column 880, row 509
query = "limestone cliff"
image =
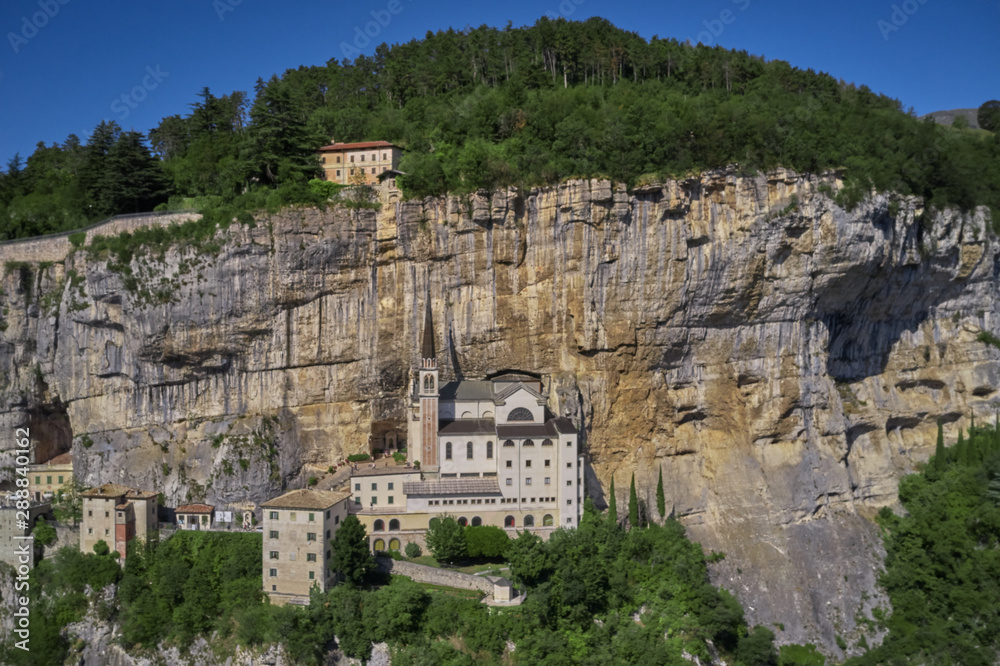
column 783, row 360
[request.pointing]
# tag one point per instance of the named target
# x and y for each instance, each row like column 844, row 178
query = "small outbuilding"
column 195, row 516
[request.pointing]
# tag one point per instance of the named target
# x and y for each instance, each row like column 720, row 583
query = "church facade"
column 486, row 452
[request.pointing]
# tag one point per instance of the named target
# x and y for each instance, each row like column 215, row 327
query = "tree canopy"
column 491, row 107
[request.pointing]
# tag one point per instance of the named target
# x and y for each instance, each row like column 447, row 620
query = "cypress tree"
column 962, row 450
column 613, row 504
column 661, row 502
column 633, row 505
column 939, row 451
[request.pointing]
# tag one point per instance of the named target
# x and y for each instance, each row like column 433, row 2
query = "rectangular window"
column 527, row 463
column 106, row 532
column 373, row 157
column 60, row 479
column 90, row 530
column 569, row 502
column 362, row 158
column 274, row 515
column 310, row 557
column 328, row 514
column 390, row 499
column 548, row 480
column 312, row 517
column 569, row 465
column 338, row 170
column 548, row 463
column 311, row 536
column 510, row 482
column 274, row 554
column 38, row 480
column 373, row 169
column 336, row 520
column 374, row 486
column 106, row 514
column 391, row 487
column 569, row 483
column 338, row 159
column 352, row 158
column 273, row 534
column 357, row 487
column 90, row 514
column 312, row 575
column 357, row 501
column 383, row 156
column 569, row 443
column 328, row 534
column 273, row 573
column 510, row 463
column 527, row 481
column 374, row 501
column 328, row 554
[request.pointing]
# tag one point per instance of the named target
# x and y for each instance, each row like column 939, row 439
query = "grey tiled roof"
column 453, row 487
column 467, row 390
column 468, row 427
column 547, row 429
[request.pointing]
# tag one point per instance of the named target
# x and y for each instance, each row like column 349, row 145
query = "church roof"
column 511, row 389
column 547, row 429
column 467, row 389
column 468, row 427
column 453, row 487
column 427, row 348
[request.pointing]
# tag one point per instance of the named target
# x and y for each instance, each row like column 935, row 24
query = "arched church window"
column 520, row 414
column 468, row 450
column 447, row 451
column 428, row 383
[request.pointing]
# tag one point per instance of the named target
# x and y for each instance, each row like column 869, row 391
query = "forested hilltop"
column 489, row 107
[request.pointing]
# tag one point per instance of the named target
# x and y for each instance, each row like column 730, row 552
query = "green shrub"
column 412, row 550
column 358, row 457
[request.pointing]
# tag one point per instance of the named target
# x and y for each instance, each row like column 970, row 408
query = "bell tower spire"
column 427, row 391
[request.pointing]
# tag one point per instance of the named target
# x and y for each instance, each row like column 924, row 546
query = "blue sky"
column 64, row 64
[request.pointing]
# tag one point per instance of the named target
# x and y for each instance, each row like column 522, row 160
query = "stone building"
column 298, row 527
column 13, row 529
column 116, row 514
column 487, row 452
column 359, row 163
column 45, row 480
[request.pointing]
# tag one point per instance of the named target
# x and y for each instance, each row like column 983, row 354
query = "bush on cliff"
column 943, row 559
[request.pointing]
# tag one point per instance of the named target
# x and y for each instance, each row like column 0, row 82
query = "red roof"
column 337, row 147
column 195, row 508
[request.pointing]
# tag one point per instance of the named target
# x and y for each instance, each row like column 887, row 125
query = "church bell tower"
column 427, row 390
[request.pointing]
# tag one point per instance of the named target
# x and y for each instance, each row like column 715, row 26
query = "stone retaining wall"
column 55, row 247
column 435, row 576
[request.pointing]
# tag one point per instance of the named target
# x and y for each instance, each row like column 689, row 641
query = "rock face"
column 784, row 361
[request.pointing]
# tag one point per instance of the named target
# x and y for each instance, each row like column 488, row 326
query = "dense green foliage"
column 352, row 559
column 488, row 107
column 58, row 594
column 596, row 595
column 192, row 584
column 988, row 115
column 486, row 541
column 661, row 501
column 446, row 539
column 943, row 559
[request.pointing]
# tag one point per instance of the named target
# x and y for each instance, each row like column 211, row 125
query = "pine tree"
column 612, row 504
column 633, row 505
column 661, row 502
